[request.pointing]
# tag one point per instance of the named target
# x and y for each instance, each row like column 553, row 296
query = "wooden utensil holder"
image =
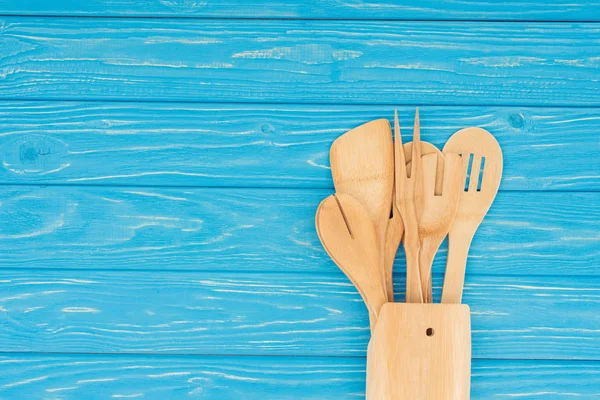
column 420, row 352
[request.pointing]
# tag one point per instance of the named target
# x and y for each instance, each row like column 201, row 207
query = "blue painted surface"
column 436, row 10
column 159, row 178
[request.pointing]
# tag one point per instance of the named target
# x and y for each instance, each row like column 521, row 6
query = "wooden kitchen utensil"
column 408, row 197
column 362, row 166
column 420, row 352
column 349, row 237
column 439, row 210
column 480, row 149
column 393, row 237
column 395, row 228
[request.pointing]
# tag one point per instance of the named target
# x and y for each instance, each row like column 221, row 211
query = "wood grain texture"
column 474, row 201
column 268, row 145
column 259, row 230
column 276, row 314
column 560, row 10
column 420, row 351
column 72, row 377
column 348, row 235
column 455, row 63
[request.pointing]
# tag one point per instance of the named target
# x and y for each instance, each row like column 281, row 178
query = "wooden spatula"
column 439, row 210
column 362, row 165
column 483, row 157
column 348, row 235
column 395, row 228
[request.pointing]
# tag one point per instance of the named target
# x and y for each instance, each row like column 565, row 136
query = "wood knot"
column 34, row 155
column 517, row 120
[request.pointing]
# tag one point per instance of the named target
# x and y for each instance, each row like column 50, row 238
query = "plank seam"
column 207, row 187
column 214, row 18
column 294, row 103
column 232, row 355
column 230, row 273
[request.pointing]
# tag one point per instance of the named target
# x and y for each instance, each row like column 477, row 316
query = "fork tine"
column 399, row 159
column 475, row 168
column 416, row 148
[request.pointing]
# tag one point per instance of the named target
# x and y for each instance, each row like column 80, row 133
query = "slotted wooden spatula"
column 481, row 155
column 362, row 166
column 348, row 235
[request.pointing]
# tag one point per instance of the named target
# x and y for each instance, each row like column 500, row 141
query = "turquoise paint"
column 550, row 10
column 159, row 178
column 179, row 144
column 272, row 61
column 208, row 229
column 275, row 313
column 256, row 378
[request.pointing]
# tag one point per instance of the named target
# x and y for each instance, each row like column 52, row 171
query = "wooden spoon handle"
column 426, row 256
column 459, row 242
column 393, row 238
column 413, row 279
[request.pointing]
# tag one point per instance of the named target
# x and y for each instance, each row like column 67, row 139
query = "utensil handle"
column 427, row 252
column 389, row 267
column 382, row 259
column 414, row 293
column 459, row 243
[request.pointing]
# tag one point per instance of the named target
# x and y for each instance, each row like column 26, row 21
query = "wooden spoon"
column 395, row 228
column 439, row 210
column 348, row 235
column 474, row 202
column 362, row 165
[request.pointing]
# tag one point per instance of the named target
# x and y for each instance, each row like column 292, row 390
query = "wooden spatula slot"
column 343, row 215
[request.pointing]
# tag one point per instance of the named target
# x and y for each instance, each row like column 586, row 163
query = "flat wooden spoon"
column 480, row 149
column 439, row 210
column 395, row 228
column 362, row 165
column 348, row 235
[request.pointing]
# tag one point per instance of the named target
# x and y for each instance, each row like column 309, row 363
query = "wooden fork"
column 408, row 197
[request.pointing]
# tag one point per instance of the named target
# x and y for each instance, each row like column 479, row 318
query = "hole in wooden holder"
column 429, row 332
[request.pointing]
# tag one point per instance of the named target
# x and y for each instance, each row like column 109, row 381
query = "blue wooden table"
column 162, row 161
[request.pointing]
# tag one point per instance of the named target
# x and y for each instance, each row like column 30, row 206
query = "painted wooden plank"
column 454, row 63
column 248, row 230
column 104, row 377
column 268, row 145
column 557, row 10
column 276, row 314
column 209, row 229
